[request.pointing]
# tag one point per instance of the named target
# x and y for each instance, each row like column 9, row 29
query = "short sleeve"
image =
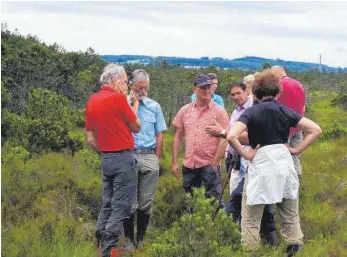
column 127, row 113
column 246, row 116
column 293, row 117
column 160, row 124
column 178, row 120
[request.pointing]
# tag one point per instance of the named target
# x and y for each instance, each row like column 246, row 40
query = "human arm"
column 91, row 139
column 233, row 140
column 159, row 142
column 175, row 151
column 311, row 130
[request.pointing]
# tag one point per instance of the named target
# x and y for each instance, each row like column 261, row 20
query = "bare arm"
column 233, row 140
column 219, row 153
column 135, row 126
column 175, row 150
column 312, row 131
column 91, row 139
column 159, row 144
column 243, row 138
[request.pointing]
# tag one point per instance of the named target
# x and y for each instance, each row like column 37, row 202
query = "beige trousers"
column 288, row 218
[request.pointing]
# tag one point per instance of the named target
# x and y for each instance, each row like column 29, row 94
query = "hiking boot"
column 128, row 226
column 142, row 224
column 293, row 249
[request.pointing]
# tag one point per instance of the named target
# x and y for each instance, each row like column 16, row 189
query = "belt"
column 144, row 150
column 120, row 151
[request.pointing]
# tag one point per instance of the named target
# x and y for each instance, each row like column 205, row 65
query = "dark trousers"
column 118, row 191
column 197, row 177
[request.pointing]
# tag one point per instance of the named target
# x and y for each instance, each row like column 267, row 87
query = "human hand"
column 133, row 98
column 251, row 152
column 122, row 87
column 214, row 166
column 175, row 169
column 215, row 129
column 293, row 150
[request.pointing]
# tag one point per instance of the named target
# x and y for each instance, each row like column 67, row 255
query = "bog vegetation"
column 51, row 185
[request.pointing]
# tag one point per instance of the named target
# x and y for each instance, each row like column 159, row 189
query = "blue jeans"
column 118, row 191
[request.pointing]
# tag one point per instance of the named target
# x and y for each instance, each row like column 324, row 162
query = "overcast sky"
column 297, row 31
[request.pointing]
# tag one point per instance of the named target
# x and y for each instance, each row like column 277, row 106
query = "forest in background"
column 50, row 178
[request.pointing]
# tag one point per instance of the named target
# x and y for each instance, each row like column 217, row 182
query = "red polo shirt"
column 292, row 96
column 107, row 113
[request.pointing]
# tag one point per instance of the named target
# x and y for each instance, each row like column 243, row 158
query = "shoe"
column 142, row 224
column 128, row 226
column 293, row 249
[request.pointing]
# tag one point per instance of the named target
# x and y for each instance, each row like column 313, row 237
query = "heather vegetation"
column 50, row 178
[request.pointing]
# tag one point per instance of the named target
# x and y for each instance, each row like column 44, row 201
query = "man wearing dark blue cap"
column 202, row 153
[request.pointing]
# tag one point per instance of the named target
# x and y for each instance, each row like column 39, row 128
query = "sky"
column 293, row 31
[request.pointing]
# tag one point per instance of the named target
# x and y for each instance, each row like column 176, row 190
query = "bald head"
column 278, row 71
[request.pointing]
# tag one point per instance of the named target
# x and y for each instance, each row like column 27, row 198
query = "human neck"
column 268, row 97
column 202, row 103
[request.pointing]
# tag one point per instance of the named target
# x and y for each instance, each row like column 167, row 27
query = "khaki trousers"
column 288, row 218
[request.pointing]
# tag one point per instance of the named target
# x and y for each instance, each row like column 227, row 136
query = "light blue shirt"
column 216, row 98
column 152, row 122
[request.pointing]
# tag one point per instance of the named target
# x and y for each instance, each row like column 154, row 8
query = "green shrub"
column 195, row 233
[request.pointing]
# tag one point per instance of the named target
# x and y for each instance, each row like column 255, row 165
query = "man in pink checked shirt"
column 202, row 152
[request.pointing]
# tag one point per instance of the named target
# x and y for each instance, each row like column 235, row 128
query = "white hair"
column 139, row 75
column 249, row 77
column 111, row 71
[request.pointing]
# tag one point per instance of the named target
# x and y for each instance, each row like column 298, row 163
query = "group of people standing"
column 261, row 143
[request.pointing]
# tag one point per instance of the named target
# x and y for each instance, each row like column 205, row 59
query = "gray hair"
column 139, row 75
column 249, row 77
column 111, row 71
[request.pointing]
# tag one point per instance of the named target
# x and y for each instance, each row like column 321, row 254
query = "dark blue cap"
column 202, row 80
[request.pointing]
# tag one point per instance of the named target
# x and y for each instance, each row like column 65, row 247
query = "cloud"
column 287, row 30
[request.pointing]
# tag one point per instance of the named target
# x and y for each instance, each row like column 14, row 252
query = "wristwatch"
column 222, row 134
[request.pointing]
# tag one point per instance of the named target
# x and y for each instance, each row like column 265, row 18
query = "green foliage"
column 195, row 234
column 341, row 101
column 50, row 201
column 335, row 131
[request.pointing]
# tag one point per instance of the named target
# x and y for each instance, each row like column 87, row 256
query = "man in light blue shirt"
column 216, row 98
column 148, row 150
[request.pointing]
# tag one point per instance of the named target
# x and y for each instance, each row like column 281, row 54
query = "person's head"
column 278, row 71
column 214, row 81
column 140, row 83
column 238, row 92
column 248, row 81
column 266, row 84
column 114, row 74
column 203, row 87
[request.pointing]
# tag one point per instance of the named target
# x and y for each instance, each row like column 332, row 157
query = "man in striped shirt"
column 202, row 152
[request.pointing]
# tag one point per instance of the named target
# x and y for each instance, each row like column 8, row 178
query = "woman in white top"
column 271, row 177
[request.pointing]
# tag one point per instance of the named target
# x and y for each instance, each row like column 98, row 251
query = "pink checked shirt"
column 200, row 147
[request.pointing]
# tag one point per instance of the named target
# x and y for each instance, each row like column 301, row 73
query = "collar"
column 246, row 105
column 208, row 106
column 108, row 88
column 146, row 101
column 271, row 99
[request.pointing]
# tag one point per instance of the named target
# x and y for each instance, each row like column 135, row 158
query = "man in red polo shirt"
column 109, row 123
column 292, row 96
